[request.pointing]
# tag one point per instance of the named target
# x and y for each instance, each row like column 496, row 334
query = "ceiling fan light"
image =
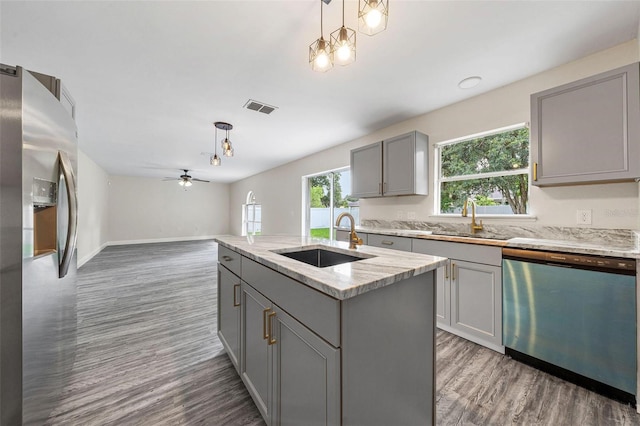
column 181, row 182
column 372, row 16
column 187, row 183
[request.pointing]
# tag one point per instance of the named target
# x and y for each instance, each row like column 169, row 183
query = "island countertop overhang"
column 381, row 268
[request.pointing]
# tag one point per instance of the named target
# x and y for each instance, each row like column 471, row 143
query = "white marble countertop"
column 383, row 267
column 599, row 245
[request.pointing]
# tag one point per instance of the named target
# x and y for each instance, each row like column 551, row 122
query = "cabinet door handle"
column 272, row 339
column 387, row 242
column 535, row 171
column 236, row 287
column 446, row 272
column 453, row 271
column 384, row 187
column 265, row 332
column 380, row 188
column 227, row 258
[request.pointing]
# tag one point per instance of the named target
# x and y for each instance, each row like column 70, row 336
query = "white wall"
column 613, row 205
column 93, row 202
column 145, row 210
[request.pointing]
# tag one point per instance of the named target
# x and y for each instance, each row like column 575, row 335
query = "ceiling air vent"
column 259, row 106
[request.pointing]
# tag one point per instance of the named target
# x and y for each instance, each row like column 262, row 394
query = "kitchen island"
column 348, row 342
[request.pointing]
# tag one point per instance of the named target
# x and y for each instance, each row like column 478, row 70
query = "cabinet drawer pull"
column 271, row 340
column 236, row 287
column 453, row 271
column 535, row 172
column 387, row 242
column 227, row 258
column 265, row 332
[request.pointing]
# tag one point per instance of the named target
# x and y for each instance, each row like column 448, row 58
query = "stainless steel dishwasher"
column 573, row 316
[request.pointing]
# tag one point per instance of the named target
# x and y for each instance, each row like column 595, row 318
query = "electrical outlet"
column 583, row 217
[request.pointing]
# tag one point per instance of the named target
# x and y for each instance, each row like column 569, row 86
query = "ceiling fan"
column 185, row 179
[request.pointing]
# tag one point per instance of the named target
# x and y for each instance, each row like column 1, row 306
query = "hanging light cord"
column 215, row 142
column 343, row 13
column 321, row 33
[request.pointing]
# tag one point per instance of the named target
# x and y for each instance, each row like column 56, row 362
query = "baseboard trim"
column 161, row 240
column 91, row 255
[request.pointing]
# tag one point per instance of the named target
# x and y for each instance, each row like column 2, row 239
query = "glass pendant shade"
column 372, row 16
column 343, row 46
column 215, row 160
column 320, row 56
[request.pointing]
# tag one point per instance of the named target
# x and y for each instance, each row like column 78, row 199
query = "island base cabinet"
column 229, row 314
column 257, row 354
column 291, row 373
column 306, row 375
column 388, row 355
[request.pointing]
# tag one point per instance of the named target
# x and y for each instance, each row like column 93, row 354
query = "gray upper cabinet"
column 395, row 166
column 366, row 171
column 588, row 130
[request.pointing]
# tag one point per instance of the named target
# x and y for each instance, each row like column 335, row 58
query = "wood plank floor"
column 148, row 354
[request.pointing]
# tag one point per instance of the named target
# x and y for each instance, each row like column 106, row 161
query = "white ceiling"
column 149, row 78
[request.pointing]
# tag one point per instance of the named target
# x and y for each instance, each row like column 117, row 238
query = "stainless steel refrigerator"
column 38, row 230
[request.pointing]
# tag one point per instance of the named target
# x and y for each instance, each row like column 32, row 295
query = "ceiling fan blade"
column 199, row 180
column 170, row 178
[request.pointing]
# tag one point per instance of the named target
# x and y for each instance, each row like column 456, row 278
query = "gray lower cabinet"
column 476, row 302
column 257, row 354
column 469, row 290
column 229, row 314
column 389, row 242
column 588, row 130
column 306, row 375
column 443, row 295
column 292, row 374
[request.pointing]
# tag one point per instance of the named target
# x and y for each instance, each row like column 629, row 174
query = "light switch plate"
column 583, row 217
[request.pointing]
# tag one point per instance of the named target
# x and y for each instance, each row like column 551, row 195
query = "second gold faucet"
column 474, row 226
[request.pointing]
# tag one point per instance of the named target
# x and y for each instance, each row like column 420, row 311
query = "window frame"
column 306, row 200
column 438, row 179
column 250, row 201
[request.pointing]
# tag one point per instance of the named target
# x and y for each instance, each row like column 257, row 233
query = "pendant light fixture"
column 343, row 44
column 215, row 160
column 227, row 149
column 319, row 51
column 372, row 16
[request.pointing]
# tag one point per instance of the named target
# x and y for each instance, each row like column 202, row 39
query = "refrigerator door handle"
column 66, row 173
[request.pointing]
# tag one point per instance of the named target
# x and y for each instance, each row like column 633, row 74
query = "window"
column 251, row 216
column 327, row 195
column 491, row 167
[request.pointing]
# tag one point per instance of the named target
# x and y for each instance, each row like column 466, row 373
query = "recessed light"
column 470, row 82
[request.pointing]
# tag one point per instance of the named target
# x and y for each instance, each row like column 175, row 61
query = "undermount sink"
column 321, row 258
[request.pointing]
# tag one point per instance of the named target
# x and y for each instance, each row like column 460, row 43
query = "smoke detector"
column 259, row 106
